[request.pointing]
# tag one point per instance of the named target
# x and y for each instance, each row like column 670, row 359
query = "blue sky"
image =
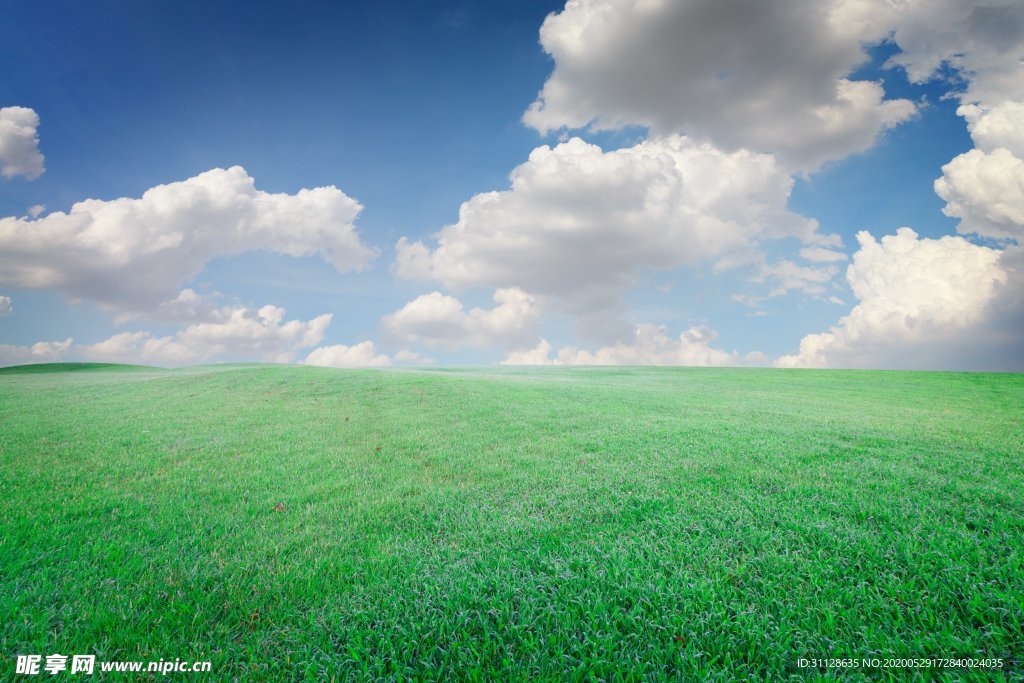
column 413, row 108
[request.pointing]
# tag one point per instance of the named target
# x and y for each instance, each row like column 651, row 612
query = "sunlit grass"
column 307, row 523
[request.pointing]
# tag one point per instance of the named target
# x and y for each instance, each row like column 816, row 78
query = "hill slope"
column 44, row 368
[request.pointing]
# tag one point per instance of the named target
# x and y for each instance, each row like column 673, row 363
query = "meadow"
column 301, row 523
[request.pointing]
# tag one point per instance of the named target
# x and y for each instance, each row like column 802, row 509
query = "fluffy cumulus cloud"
column 537, row 355
column 134, row 254
column 923, row 303
column 19, row 143
column 984, row 187
column 578, row 223
column 40, row 352
column 6, row 306
column 361, row 355
column 439, row 320
column 650, row 345
column 766, row 76
column 232, row 334
column 997, row 127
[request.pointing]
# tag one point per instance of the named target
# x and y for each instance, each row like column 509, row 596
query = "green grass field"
column 294, row 523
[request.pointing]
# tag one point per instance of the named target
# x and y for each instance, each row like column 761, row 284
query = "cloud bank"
column 234, row 333
column 40, row 352
column 134, row 254
column 650, row 345
column 361, row 355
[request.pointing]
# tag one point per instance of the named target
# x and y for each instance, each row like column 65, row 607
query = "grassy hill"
column 294, row 523
column 44, row 368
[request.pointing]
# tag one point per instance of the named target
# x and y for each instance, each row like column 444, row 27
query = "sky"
column 834, row 183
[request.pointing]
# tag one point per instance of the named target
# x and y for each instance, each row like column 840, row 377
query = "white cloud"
column 650, row 345
column 784, row 276
column 240, row 333
column 188, row 306
column 821, row 254
column 748, row 299
column 986, row 192
column 984, row 43
column 410, row 357
column 766, row 76
column 984, row 187
column 922, row 303
column 538, row 355
column 6, row 307
column 19, row 143
column 142, row 348
column 135, row 253
column 361, row 355
column 1001, row 126
column 578, row 222
column 36, row 210
column 750, row 256
column 439, row 320
column 772, row 77
column 982, row 40
column 40, row 352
